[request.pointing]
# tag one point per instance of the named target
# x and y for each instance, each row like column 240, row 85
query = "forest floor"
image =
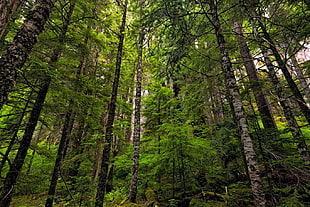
column 34, row 200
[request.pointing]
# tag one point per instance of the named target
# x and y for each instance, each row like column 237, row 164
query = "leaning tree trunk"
column 230, row 82
column 103, row 173
column 302, row 80
column 137, row 127
column 292, row 85
column 284, row 102
column 15, row 168
column 257, row 87
column 19, row 50
column 7, row 9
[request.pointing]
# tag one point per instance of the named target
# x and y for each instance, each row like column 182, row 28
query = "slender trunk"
column 19, row 50
column 230, row 82
column 137, row 127
column 103, row 173
column 15, row 168
column 14, row 137
column 296, row 132
column 292, row 85
column 302, row 81
column 68, row 124
column 159, row 123
column 173, row 178
column 7, row 9
column 77, row 149
column 96, row 164
column 258, row 90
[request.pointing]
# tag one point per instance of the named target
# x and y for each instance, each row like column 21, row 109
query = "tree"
column 230, row 82
column 17, row 53
column 68, row 124
column 103, row 173
column 60, row 156
column 259, row 93
column 7, row 9
column 256, row 18
column 288, row 113
column 137, row 122
column 16, row 166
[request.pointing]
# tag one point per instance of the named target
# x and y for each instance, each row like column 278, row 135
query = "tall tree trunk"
column 295, row 130
column 103, row 173
column 7, row 9
column 292, row 85
column 258, row 89
column 137, row 125
column 68, row 124
column 19, row 50
column 15, row 168
column 230, row 82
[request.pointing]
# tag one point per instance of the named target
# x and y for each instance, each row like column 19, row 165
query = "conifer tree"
column 16, row 54
column 231, row 85
column 103, row 173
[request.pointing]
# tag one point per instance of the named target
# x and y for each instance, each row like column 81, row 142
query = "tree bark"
column 7, row 9
column 137, row 124
column 15, row 168
column 258, row 90
column 19, row 50
column 230, row 82
column 103, row 173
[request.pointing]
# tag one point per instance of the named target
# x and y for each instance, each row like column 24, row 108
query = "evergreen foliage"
column 191, row 153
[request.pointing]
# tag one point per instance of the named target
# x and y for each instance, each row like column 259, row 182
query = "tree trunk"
column 68, row 124
column 15, row 168
column 137, row 125
column 19, row 50
column 292, row 85
column 230, row 82
column 302, row 81
column 7, row 9
column 103, row 173
column 14, row 137
column 296, row 132
column 258, row 89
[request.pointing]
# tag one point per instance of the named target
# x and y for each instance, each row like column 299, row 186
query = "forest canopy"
column 154, row 103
